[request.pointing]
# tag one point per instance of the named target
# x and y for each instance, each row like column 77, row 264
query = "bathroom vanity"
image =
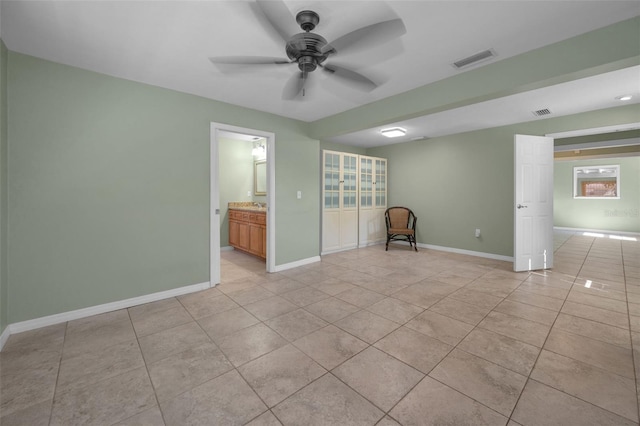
column 248, row 228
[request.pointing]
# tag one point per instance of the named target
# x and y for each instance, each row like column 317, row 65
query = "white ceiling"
column 587, row 94
column 169, row 43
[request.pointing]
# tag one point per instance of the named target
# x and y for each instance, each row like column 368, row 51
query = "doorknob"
column 520, row 206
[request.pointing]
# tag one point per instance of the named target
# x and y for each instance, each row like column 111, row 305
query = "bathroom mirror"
column 260, row 177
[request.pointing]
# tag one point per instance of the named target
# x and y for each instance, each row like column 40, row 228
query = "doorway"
column 217, row 132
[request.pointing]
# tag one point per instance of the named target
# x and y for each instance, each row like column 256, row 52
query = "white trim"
column 297, row 263
column 4, row 337
column 594, row 145
column 458, row 251
column 363, row 244
column 214, row 206
column 324, row 253
column 599, row 231
column 214, row 231
column 32, row 324
column 468, row 252
column 594, row 131
column 227, row 248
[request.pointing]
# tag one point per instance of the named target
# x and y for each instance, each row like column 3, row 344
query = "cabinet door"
column 366, row 183
column 340, row 201
column 380, row 183
column 331, row 201
column 234, row 233
column 255, row 239
column 349, row 202
column 243, row 235
column 373, row 200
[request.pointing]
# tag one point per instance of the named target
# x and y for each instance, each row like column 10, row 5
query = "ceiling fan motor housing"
column 306, row 50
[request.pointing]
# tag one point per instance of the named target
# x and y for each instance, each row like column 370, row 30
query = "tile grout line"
column 633, row 351
column 55, row 388
column 146, row 367
column 547, row 338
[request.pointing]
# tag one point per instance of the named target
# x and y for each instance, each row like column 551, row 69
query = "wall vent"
column 478, row 57
column 541, row 112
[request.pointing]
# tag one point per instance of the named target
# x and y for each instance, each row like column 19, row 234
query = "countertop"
column 250, row 208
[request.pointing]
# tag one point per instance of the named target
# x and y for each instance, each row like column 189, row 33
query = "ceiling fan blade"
column 295, row 87
column 353, row 78
column 369, row 36
column 279, row 17
column 248, row 60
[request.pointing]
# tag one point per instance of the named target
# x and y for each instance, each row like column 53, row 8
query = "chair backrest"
column 399, row 217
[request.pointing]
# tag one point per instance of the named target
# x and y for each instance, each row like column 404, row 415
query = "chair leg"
column 387, row 246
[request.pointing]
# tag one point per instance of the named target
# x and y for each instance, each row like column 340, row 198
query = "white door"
column 533, row 203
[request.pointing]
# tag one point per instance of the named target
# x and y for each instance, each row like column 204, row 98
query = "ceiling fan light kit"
column 310, row 50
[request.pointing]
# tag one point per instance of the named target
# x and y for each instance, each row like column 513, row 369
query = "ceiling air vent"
column 478, row 57
column 541, row 112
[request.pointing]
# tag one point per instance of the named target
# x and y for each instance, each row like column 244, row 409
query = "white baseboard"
column 468, row 252
column 297, row 263
column 363, row 244
column 227, row 248
column 599, row 231
column 4, row 337
column 324, row 253
column 33, row 324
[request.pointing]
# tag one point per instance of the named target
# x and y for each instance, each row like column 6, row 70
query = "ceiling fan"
column 310, row 50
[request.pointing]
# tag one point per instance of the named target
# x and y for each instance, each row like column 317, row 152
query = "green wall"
column 3, row 187
column 457, row 183
column 332, row 146
column 621, row 214
column 109, row 187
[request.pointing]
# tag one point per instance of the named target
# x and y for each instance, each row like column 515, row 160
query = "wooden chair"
column 401, row 225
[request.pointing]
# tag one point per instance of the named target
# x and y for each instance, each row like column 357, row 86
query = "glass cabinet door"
column 366, row 182
column 331, row 181
column 381, row 183
column 350, row 184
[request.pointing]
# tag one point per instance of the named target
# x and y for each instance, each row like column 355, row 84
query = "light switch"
column 299, row 195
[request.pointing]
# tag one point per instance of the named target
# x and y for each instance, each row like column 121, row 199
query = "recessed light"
column 393, row 132
column 624, row 97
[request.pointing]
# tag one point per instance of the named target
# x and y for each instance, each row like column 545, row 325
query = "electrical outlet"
column 248, row 193
column 299, row 195
column 477, row 232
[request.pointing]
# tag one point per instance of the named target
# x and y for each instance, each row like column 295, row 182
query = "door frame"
column 214, row 197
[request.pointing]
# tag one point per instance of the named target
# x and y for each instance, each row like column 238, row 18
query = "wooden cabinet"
column 248, row 231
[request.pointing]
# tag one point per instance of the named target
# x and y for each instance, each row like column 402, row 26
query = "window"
column 596, row 182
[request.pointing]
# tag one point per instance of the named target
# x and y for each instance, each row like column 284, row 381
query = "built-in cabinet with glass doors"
column 354, row 198
column 373, row 200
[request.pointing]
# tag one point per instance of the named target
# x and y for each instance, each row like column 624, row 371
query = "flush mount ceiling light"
column 393, row 132
column 624, row 97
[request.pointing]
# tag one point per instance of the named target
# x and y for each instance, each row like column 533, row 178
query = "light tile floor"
column 364, row 337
